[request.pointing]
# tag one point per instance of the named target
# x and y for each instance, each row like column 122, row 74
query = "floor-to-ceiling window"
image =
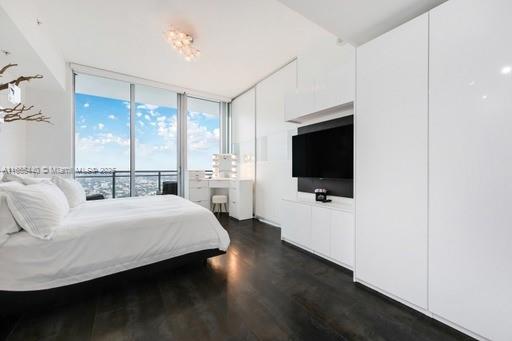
column 102, row 135
column 156, row 139
column 203, row 132
column 132, row 140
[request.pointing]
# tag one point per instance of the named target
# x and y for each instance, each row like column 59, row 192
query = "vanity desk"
column 199, row 189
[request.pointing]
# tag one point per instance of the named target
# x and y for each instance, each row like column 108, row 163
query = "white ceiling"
column 358, row 21
column 241, row 41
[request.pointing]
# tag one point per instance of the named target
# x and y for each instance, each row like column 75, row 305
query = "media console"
column 324, row 229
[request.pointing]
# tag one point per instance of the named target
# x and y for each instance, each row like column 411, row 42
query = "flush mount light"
column 506, row 70
column 182, row 43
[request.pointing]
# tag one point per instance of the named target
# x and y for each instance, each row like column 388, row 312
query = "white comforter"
column 103, row 237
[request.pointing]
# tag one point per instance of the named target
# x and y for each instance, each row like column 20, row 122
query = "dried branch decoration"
column 2, row 70
column 17, row 81
column 18, row 112
column 15, row 114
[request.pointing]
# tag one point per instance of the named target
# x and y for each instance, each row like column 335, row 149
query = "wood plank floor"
column 261, row 289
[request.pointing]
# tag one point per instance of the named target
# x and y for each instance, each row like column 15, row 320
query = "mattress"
column 103, row 237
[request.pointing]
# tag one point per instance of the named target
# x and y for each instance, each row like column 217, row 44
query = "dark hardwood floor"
column 261, row 289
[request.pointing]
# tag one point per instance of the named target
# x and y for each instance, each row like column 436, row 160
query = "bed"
column 102, row 238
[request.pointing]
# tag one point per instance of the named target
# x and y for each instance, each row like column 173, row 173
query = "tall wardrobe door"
column 391, row 162
column 470, row 234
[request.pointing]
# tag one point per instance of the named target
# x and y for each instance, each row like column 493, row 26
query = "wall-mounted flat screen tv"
column 327, row 154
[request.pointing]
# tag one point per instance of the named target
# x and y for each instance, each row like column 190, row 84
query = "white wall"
column 50, row 144
column 24, row 15
column 12, row 139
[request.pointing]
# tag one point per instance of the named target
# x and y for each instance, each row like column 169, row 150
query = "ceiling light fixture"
column 182, row 43
column 506, row 70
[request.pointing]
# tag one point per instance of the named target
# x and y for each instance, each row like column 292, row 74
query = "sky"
column 102, row 128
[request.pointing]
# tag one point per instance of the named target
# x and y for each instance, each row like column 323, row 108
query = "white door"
column 321, row 230
column 471, row 165
column 342, row 237
column 391, row 162
column 296, row 226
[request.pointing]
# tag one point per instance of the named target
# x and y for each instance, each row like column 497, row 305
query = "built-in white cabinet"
column 342, row 237
column 296, row 223
column 326, row 230
column 470, row 211
column 325, row 81
column 391, row 125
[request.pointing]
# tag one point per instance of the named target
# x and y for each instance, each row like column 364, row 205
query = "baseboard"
column 419, row 309
column 343, row 266
column 269, row 222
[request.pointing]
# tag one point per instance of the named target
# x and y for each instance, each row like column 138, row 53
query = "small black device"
column 321, row 195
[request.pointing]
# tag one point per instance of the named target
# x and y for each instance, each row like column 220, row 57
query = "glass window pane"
column 203, row 133
column 156, row 149
column 102, row 135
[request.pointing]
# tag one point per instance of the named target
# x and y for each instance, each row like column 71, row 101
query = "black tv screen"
column 325, row 154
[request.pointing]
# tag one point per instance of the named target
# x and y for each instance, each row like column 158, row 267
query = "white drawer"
column 234, row 185
column 195, row 194
column 219, row 183
column 197, row 184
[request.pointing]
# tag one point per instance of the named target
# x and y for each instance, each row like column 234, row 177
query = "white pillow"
column 72, row 189
column 33, row 181
column 8, row 225
column 12, row 177
column 23, row 179
column 38, row 209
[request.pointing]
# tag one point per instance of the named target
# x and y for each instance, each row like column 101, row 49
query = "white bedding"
column 103, row 237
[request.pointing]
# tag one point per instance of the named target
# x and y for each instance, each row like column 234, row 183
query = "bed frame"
column 18, row 302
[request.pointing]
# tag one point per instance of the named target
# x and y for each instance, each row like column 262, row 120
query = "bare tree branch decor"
column 19, row 112
column 18, row 80
column 15, row 114
column 2, row 70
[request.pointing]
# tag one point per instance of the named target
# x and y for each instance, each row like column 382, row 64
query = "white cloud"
column 147, row 106
column 139, row 114
column 101, row 126
column 97, row 143
column 141, row 123
column 199, row 137
column 195, row 114
column 83, row 126
column 112, row 117
column 147, row 117
column 86, row 105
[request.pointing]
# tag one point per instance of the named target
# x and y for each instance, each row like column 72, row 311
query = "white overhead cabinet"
column 470, row 215
column 325, row 81
column 391, row 163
